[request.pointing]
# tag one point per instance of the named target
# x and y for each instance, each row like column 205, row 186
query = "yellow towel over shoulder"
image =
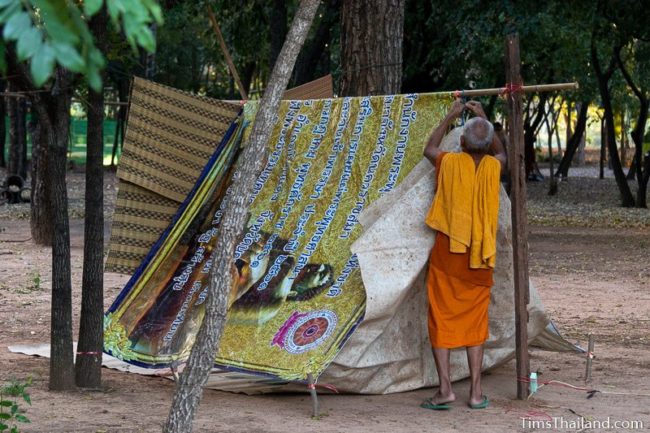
column 466, row 206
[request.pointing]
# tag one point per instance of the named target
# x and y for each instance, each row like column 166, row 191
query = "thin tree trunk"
column 40, row 208
column 188, row 393
column 552, row 189
column 88, row 366
column 574, row 141
column 530, row 134
column 623, row 133
column 640, row 166
column 3, row 128
column 602, row 78
column 371, row 47
column 54, row 112
column 13, row 163
column 603, row 148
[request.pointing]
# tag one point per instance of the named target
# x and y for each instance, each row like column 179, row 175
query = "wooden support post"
column 226, row 53
column 314, row 395
column 519, row 217
column 590, row 357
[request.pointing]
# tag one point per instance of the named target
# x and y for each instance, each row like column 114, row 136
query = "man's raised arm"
column 432, row 149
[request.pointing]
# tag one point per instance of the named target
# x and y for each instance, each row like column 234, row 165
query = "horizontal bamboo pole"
column 506, row 90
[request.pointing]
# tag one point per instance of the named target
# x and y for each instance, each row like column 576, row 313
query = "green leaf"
column 68, row 57
column 5, row 416
column 22, row 418
column 42, row 64
column 6, row 403
column 3, row 427
column 28, row 43
column 9, row 11
column 27, row 398
column 95, row 80
column 91, row 7
column 146, row 40
column 14, row 409
column 17, row 24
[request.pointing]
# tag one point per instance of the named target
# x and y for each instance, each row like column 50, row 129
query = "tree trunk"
column 40, row 209
column 603, row 149
column 574, row 141
column 641, row 199
column 88, row 368
column 3, row 128
column 640, row 164
column 530, row 135
column 569, row 122
column 623, row 134
column 580, row 153
column 603, row 77
column 17, row 136
column 15, row 158
column 54, row 112
column 371, row 47
column 188, row 393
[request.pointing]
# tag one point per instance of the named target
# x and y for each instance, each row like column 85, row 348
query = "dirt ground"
column 591, row 279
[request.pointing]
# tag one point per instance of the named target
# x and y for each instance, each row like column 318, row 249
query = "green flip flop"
column 481, row 405
column 429, row 404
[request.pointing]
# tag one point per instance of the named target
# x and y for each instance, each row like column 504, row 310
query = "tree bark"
column 574, row 141
column 603, row 148
column 372, row 33
column 188, row 393
column 88, row 367
column 17, row 108
column 3, row 128
column 530, row 134
column 40, row 208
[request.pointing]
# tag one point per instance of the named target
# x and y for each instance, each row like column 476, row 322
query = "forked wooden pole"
column 311, row 383
column 590, row 357
column 519, row 218
column 226, row 53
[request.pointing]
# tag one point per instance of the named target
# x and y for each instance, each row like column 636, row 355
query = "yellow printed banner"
column 297, row 292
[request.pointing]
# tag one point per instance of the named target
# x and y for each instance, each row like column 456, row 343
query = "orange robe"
column 459, row 296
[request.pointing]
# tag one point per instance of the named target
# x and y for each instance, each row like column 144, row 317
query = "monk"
column 464, row 213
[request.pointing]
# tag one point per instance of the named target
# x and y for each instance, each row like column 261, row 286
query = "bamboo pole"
column 226, row 53
column 506, row 90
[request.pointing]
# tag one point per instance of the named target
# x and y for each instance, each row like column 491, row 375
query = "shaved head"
column 477, row 135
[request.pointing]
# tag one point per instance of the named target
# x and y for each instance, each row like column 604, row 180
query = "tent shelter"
column 329, row 275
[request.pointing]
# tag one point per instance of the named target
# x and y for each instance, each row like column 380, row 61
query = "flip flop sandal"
column 429, row 404
column 481, row 405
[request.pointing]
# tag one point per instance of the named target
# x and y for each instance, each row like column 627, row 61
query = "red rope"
column 332, row 388
column 89, row 353
column 512, row 88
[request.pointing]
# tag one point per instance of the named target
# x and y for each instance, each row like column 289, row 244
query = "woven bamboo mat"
column 170, row 136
